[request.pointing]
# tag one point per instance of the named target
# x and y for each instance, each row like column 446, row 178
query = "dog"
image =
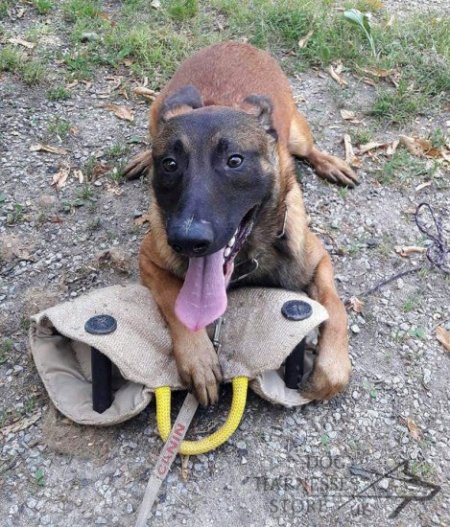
column 227, row 208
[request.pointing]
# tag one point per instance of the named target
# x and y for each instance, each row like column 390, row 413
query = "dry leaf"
column 302, row 43
column 156, row 4
column 378, row 72
column 39, row 147
column 350, row 157
column 422, row 186
column 307, row 486
column 356, row 304
column 21, row 12
column 371, row 146
column 140, row 220
column 392, row 148
column 60, row 178
column 406, row 251
column 368, row 81
column 122, row 112
column 334, row 73
column 420, row 147
column 390, row 21
column 185, row 468
column 24, row 423
column 443, row 337
column 113, row 188
column 145, row 92
column 78, row 174
column 21, row 42
column 100, row 169
column 115, row 259
column 413, row 429
column 104, row 16
column 347, row 115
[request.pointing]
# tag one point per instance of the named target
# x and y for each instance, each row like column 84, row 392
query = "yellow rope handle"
column 206, row 444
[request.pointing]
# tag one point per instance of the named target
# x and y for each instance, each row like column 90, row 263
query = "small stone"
column 31, row 503
column 89, row 36
column 355, row 328
column 241, row 445
column 384, row 484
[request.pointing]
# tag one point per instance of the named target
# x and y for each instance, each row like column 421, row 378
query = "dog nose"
column 193, row 240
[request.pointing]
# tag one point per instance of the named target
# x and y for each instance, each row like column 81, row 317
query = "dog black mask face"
column 213, row 168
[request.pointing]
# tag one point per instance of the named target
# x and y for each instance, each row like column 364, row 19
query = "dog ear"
column 183, row 100
column 262, row 108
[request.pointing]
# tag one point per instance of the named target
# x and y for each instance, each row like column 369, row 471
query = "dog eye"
column 235, row 161
column 169, row 164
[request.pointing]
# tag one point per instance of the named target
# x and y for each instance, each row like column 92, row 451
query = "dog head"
column 214, row 167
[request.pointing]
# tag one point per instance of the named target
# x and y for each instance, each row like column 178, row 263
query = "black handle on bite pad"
column 293, row 366
column 101, row 365
column 101, row 381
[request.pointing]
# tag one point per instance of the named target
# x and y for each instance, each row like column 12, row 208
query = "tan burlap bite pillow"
column 255, row 340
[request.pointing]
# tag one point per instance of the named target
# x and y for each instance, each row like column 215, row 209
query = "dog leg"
column 326, row 166
column 194, row 353
column 139, row 165
column 332, row 367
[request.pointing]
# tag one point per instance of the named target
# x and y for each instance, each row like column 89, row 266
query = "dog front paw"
column 138, row 166
column 326, row 381
column 335, row 170
column 199, row 368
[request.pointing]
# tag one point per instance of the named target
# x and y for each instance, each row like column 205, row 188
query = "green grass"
column 400, row 105
column 74, row 10
column 402, row 168
column 438, row 138
column 5, row 5
column 5, row 349
column 79, row 65
column 17, row 215
column 411, row 303
column 59, row 127
column 86, row 193
column 361, row 136
column 43, row 6
column 152, row 42
column 117, row 150
column 10, row 59
column 39, row 477
column 182, row 9
column 31, row 71
column 58, row 93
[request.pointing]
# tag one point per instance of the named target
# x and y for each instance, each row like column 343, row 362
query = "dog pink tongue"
column 203, row 297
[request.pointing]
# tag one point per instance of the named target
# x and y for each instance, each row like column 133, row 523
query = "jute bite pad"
column 255, row 341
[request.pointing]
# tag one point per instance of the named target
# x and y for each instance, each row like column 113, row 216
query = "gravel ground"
column 282, row 467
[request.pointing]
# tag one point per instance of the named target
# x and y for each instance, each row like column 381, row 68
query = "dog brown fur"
column 225, row 74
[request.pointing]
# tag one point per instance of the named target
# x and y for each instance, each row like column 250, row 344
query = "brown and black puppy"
column 225, row 193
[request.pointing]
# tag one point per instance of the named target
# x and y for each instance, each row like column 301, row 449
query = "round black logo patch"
column 101, row 325
column 296, row 310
